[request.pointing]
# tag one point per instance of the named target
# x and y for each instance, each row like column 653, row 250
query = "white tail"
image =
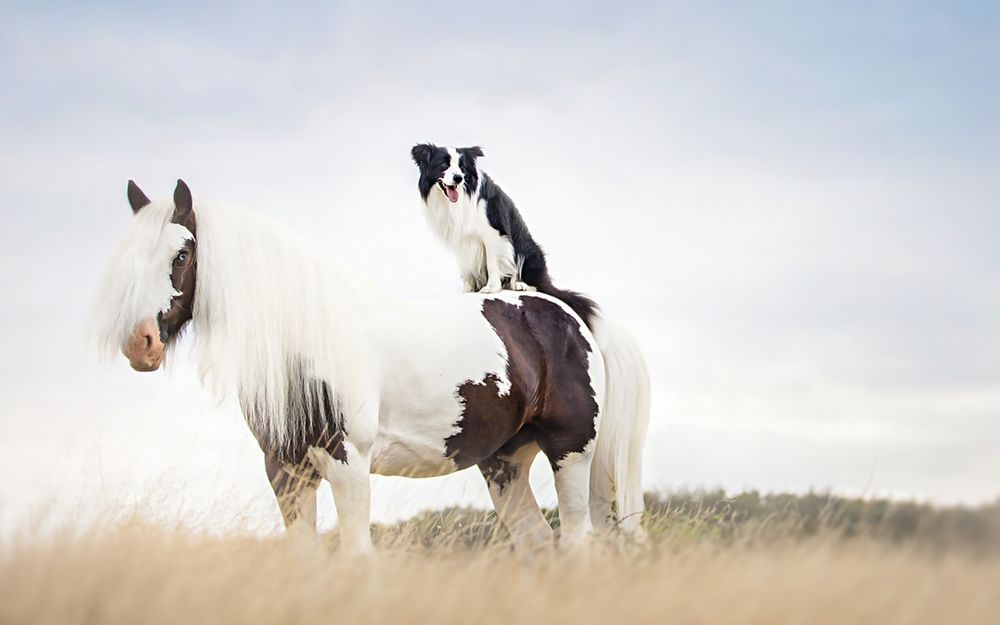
column 616, row 473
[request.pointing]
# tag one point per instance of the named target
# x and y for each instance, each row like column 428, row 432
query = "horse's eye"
column 181, row 258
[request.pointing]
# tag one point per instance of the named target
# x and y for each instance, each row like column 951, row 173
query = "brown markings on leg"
column 313, row 422
column 506, row 474
column 498, row 469
column 289, row 482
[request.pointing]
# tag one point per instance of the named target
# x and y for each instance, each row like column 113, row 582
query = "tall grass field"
column 707, row 558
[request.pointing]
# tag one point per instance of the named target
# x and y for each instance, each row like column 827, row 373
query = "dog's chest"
column 465, row 219
column 465, row 229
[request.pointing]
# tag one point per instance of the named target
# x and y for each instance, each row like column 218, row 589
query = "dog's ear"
column 421, row 154
column 475, row 151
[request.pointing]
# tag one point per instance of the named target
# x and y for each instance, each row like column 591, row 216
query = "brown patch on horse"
column 184, row 270
column 551, row 400
column 488, row 420
column 313, row 419
column 498, row 468
column 287, row 481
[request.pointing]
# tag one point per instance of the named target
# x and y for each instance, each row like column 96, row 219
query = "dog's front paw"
column 517, row 285
column 490, row 288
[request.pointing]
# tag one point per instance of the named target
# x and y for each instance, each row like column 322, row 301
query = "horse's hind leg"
column 295, row 489
column 572, row 477
column 507, row 478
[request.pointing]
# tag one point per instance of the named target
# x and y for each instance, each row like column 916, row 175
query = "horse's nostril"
column 149, row 341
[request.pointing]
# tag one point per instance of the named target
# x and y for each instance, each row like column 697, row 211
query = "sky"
column 793, row 206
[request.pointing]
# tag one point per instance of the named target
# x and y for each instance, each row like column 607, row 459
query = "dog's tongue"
column 452, row 193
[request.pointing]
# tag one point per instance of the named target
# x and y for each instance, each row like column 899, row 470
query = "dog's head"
column 447, row 171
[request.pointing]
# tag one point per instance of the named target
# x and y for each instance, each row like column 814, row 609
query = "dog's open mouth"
column 450, row 190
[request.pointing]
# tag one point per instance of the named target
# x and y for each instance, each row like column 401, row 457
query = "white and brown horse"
column 338, row 380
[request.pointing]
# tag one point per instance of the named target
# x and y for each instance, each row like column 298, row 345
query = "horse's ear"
column 421, row 154
column 475, row 151
column 136, row 198
column 182, row 202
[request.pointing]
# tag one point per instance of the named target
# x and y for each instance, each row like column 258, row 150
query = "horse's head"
column 148, row 294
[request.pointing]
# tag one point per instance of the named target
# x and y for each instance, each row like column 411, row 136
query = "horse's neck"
column 365, row 298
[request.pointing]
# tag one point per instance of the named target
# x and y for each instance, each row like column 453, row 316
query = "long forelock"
column 137, row 282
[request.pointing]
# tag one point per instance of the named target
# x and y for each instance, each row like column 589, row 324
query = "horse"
column 338, row 380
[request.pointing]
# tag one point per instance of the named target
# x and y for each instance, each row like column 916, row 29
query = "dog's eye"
column 181, row 258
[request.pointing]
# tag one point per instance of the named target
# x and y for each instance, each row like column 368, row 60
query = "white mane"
column 273, row 317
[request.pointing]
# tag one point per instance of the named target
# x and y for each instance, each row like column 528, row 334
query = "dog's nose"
column 457, row 178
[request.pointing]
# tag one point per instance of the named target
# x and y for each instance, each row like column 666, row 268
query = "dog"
column 480, row 223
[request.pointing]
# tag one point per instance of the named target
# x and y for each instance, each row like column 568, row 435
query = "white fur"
column 137, row 283
column 453, row 168
column 485, row 257
column 351, row 488
column 265, row 298
column 425, row 350
column 616, row 473
column 255, row 274
column 392, row 365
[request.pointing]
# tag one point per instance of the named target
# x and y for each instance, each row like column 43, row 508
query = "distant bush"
column 784, row 515
column 684, row 517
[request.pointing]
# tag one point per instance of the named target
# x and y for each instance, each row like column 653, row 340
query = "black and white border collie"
column 481, row 225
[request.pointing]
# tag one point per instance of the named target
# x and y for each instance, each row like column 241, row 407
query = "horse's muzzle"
column 144, row 349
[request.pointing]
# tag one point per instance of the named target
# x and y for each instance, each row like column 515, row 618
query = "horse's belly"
column 413, row 427
column 424, row 369
column 410, row 456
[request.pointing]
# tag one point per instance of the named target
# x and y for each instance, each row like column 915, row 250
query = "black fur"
column 503, row 215
column 467, row 163
column 432, row 162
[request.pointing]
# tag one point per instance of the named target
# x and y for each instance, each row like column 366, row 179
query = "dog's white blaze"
column 454, row 168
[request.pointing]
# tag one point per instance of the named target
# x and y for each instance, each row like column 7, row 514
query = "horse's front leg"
column 347, row 468
column 295, row 489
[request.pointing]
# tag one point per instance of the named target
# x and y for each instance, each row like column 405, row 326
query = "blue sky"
column 793, row 205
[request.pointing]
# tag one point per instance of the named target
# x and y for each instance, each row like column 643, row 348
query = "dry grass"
column 698, row 567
